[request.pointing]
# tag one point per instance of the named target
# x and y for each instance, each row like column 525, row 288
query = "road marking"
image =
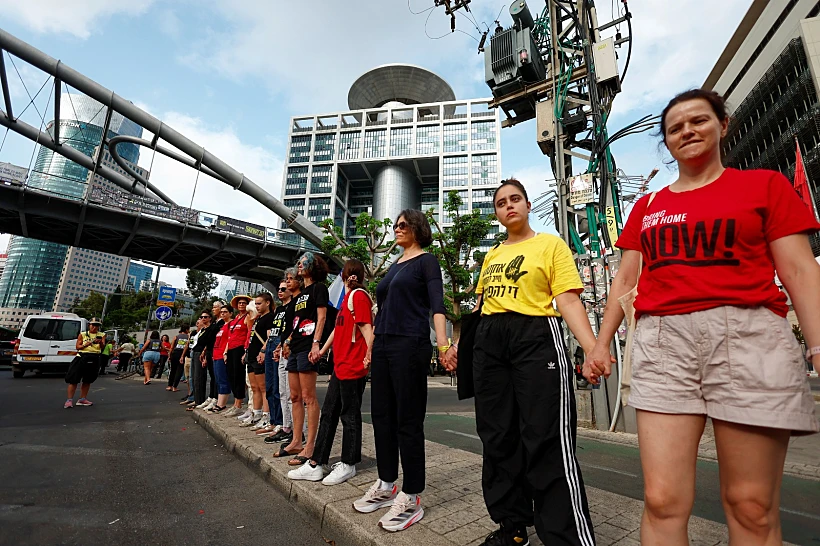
column 801, row 514
column 607, row 469
column 473, row 436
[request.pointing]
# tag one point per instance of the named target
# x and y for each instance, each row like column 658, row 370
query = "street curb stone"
column 453, row 503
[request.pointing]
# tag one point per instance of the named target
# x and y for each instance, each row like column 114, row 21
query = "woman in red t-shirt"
column 351, row 339
column 235, row 350
column 712, row 338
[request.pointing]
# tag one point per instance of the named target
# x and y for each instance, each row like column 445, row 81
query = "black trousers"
column 398, row 406
column 212, row 387
column 160, row 367
column 199, row 378
column 526, row 419
column 124, row 358
column 343, row 401
column 236, row 372
column 175, row 374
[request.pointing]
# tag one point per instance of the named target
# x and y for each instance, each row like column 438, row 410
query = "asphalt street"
column 134, row 469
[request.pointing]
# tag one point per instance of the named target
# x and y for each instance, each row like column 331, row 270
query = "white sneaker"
column 340, row 473
column 211, row 405
column 307, row 472
column 375, row 498
column 250, row 421
column 233, row 410
column 248, row 413
column 205, row 403
column 262, row 423
column 404, row 513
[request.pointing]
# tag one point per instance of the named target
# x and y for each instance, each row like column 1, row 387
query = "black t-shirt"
column 407, row 295
column 206, row 340
column 303, row 314
column 260, row 329
column 278, row 326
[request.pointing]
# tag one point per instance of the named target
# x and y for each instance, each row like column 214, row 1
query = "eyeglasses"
column 204, row 317
column 282, row 289
column 400, row 226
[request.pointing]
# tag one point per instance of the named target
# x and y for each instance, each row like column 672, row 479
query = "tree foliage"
column 200, row 284
column 371, row 247
column 457, row 250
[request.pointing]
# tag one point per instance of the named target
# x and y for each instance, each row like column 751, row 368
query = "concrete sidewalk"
column 453, row 503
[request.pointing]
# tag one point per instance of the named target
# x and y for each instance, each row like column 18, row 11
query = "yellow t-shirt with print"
column 525, row 277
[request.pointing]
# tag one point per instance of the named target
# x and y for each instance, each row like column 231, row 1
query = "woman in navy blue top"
column 411, row 291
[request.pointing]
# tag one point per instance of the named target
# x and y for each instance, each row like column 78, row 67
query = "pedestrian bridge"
column 165, row 234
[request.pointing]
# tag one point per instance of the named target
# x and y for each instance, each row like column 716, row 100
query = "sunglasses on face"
column 400, row 226
column 283, row 289
column 204, row 317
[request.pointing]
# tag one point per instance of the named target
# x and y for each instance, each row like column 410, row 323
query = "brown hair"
column 511, row 182
column 715, row 100
column 417, row 221
column 316, row 267
column 353, row 267
column 265, row 296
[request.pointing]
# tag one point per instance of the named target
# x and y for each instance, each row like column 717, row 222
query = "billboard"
column 12, row 173
column 232, row 225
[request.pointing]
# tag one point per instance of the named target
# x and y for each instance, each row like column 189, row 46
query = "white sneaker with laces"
column 340, row 473
column 205, row 403
column 262, row 423
column 250, row 421
column 375, row 498
column 231, row 412
column 248, row 413
column 211, row 405
column 307, row 472
column 405, row 512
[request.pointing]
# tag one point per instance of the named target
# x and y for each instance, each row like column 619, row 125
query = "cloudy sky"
column 230, row 74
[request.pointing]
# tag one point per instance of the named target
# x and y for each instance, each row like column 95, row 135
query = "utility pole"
column 151, row 304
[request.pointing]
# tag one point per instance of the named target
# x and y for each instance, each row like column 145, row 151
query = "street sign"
column 580, row 190
column 163, row 313
column 611, row 226
column 167, row 295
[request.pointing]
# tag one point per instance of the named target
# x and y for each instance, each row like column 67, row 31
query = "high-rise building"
column 137, row 273
column 236, row 287
column 3, row 258
column 34, row 268
column 769, row 74
column 405, row 143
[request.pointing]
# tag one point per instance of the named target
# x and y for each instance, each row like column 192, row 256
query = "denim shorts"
column 151, row 356
column 301, row 363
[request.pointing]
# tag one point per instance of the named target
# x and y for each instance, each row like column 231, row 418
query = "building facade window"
column 299, row 149
column 483, row 135
column 454, row 171
column 455, row 137
column 485, row 169
column 349, row 145
column 321, row 180
column 360, row 201
column 374, row 143
column 296, row 181
column 483, row 200
column 318, row 209
column 464, row 207
column 401, row 141
column 323, row 149
column 297, row 205
column 341, row 189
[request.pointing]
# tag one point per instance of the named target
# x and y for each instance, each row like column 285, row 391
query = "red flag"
column 801, row 183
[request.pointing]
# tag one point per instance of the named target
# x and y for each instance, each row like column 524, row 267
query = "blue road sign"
column 163, row 313
column 167, row 295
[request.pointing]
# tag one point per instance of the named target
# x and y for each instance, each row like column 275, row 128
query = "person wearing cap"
column 86, row 365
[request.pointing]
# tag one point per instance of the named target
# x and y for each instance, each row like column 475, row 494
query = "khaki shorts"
column 741, row 365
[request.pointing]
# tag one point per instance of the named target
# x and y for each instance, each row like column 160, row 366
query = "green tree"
column 372, row 247
column 91, row 306
column 457, row 250
column 200, row 284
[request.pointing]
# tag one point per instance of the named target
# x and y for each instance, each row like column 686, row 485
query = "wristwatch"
column 811, row 352
column 319, row 341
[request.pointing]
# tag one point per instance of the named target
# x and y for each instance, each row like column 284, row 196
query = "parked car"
column 6, row 351
column 47, row 343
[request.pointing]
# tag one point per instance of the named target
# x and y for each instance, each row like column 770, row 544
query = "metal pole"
column 151, row 306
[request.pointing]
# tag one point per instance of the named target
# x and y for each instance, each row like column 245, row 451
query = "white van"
column 47, row 343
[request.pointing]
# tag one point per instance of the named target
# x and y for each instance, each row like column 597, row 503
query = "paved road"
column 132, row 470
column 616, row 468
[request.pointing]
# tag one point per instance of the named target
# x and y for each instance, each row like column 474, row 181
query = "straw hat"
column 96, row 321
column 240, row 297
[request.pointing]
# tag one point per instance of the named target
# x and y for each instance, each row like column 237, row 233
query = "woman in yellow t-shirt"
column 525, row 407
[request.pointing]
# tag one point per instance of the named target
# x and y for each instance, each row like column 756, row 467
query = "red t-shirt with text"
column 348, row 358
column 221, row 342
column 709, row 247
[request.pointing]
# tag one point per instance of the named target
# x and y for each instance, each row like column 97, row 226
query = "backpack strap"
column 350, row 308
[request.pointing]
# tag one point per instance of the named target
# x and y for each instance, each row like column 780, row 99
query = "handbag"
column 464, row 371
column 627, row 302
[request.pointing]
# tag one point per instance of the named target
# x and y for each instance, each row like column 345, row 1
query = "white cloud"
column 75, row 17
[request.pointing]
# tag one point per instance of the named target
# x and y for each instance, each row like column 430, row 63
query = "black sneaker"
column 505, row 536
column 280, row 437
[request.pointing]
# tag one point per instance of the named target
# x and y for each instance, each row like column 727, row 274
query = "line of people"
column 711, row 341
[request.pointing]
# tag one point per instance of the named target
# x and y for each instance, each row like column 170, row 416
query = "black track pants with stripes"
column 526, row 418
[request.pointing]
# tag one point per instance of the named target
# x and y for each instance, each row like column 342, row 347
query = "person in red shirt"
column 712, row 339
column 351, row 339
column 220, row 368
column 238, row 332
column 164, row 351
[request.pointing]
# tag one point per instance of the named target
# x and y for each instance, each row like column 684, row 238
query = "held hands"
column 260, row 358
column 450, row 359
column 315, row 354
column 598, row 363
column 277, row 353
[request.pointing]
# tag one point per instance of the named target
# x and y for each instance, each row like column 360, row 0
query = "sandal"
column 298, row 461
column 174, row 390
column 284, row 452
column 167, row 388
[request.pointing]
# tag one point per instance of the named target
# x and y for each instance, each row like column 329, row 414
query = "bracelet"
column 443, row 348
column 813, row 351
column 319, row 341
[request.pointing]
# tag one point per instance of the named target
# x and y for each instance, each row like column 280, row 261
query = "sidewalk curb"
column 330, row 507
column 796, row 470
